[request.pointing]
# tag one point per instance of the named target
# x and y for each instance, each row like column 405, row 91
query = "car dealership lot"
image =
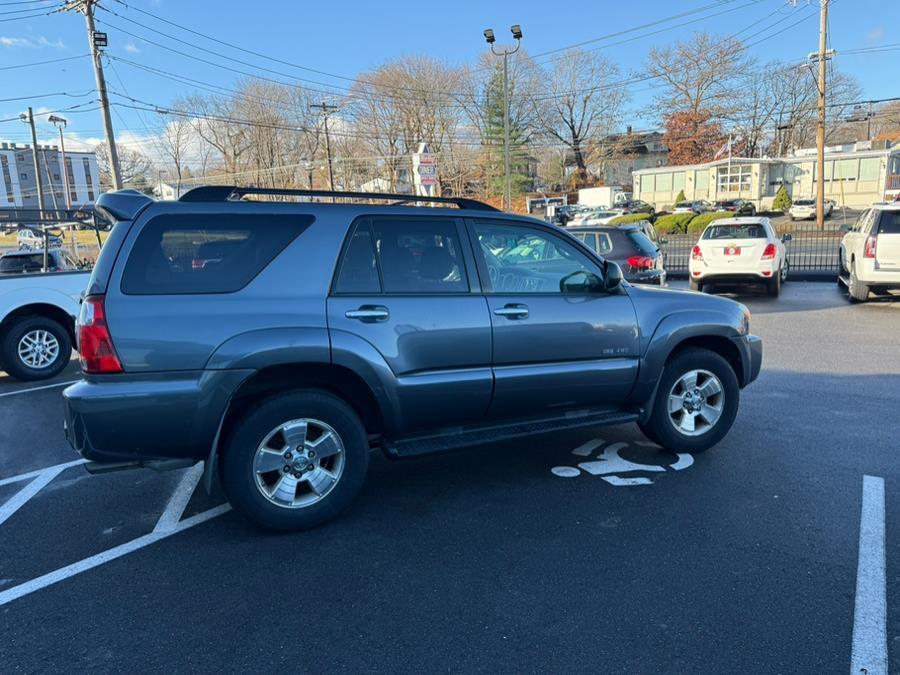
column 548, row 553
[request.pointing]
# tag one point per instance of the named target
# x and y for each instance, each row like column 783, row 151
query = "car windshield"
column 684, row 205
column 13, row 264
column 735, row 231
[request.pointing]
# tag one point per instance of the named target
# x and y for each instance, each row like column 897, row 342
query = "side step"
column 458, row 437
column 155, row 464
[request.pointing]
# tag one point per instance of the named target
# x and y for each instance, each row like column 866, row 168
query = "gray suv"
column 281, row 341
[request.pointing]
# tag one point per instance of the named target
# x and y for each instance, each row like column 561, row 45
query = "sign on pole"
column 424, row 172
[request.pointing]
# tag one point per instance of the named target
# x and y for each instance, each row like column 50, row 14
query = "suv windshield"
column 744, row 231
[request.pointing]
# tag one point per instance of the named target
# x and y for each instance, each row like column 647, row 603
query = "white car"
column 696, row 206
column 806, row 208
column 600, row 217
column 870, row 252
column 740, row 250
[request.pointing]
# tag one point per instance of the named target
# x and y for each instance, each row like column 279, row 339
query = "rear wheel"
column 696, row 402
column 35, row 348
column 859, row 292
column 696, row 285
column 773, row 286
column 295, row 460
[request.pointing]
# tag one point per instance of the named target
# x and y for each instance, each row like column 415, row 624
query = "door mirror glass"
column 786, row 238
column 613, row 277
column 581, row 281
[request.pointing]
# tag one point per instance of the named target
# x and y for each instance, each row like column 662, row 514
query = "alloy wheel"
column 38, row 349
column 696, row 402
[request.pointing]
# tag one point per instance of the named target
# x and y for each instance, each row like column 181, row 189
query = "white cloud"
column 875, row 36
column 31, row 43
column 132, row 48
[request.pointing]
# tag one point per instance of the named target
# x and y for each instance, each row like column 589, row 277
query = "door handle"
column 368, row 313
column 512, row 311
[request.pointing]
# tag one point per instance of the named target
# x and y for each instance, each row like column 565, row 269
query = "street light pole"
column 60, row 124
column 505, row 53
column 820, row 130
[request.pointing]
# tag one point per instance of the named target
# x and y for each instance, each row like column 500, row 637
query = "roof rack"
column 221, row 193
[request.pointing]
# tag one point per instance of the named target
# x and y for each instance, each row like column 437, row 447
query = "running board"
column 155, row 464
column 458, row 437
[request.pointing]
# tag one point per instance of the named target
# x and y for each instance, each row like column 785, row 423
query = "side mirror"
column 845, row 228
column 581, row 282
column 663, row 241
column 786, row 238
column 613, row 277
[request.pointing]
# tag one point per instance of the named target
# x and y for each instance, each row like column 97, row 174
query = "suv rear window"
column 189, row 254
column 752, row 231
column 22, row 263
column 889, row 222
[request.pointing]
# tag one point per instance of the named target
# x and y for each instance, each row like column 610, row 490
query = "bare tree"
column 583, row 103
column 175, row 140
column 135, row 167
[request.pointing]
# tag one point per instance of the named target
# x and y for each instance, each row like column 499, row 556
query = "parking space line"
column 68, row 571
column 168, row 521
column 46, row 386
column 869, row 652
column 19, row 499
column 38, row 472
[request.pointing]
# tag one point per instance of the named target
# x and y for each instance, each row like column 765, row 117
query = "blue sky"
column 347, row 38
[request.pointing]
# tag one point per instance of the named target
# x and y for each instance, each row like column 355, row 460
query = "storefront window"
column 735, row 179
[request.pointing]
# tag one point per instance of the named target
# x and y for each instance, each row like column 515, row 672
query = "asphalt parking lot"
column 585, row 551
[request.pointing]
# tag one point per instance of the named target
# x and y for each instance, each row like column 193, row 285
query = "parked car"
column 806, row 208
column 37, row 319
column 25, row 261
column 870, row 252
column 597, row 217
column 27, row 238
column 638, row 206
column 335, row 328
column 742, row 207
column 640, row 259
column 696, row 206
column 740, row 250
column 646, row 228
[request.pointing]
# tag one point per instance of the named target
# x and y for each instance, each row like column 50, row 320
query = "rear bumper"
column 125, row 417
column 742, row 277
column 652, row 277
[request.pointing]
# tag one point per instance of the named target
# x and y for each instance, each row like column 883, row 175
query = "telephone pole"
column 95, row 42
column 38, row 181
column 326, row 109
column 820, row 131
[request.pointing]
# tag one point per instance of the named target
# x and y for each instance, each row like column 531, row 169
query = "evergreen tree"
column 782, row 201
column 680, row 197
column 495, row 171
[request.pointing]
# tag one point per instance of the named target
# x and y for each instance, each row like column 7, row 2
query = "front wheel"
column 696, row 402
column 295, row 460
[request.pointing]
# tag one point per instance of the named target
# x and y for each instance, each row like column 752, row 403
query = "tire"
column 326, row 417
column 696, row 285
column 662, row 427
column 773, row 286
column 44, row 334
column 785, row 270
column 859, row 292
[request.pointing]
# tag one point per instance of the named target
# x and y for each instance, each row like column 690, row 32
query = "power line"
column 41, row 63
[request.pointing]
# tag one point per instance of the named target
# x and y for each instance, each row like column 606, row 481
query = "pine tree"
column 782, row 201
column 680, row 197
column 495, row 171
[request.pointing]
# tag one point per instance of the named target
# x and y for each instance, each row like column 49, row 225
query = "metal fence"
column 809, row 250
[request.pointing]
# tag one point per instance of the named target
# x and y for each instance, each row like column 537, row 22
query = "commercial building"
column 18, row 184
column 856, row 175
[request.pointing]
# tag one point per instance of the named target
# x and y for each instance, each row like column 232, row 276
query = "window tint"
column 184, row 254
column 889, row 222
column 735, row 232
column 22, row 263
column 358, row 272
column 419, row 255
column 642, row 243
column 526, row 260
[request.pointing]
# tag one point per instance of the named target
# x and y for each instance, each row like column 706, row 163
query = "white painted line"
column 51, row 578
column 37, row 472
column 19, row 499
column 168, row 521
column 869, row 653
column 46, row 386
column 684, row 461
column 618, row 481
column 588, row 448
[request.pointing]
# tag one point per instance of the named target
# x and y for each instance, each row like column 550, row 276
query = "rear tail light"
column 696, row 253
column 641, row 262
column 871, row 243
column 95, row 345
column 769, row 252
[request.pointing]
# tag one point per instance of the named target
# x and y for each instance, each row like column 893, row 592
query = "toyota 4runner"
column 281, row 341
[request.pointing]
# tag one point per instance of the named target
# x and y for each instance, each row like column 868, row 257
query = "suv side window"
column 206, row 253
column 403, row 255
column 860, row 221
column 889, row 222
column 522, row 259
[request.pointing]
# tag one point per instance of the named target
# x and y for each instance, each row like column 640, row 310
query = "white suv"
column 870, row 252
column 740, row 250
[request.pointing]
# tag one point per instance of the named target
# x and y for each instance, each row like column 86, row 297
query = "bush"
column 699, row 223
column 782, row 201
column 680, row 197
column 629, row 218
column 673, row 223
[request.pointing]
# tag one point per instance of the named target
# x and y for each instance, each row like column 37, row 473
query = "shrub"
column 673, row 222
column 629, row 218
column 680, row 197
column 782, row 201
column 699, row 223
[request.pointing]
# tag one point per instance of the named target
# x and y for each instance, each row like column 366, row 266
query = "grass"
column 86, row 237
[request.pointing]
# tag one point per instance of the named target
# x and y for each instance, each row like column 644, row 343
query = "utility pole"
column 38, row 181
column 60, row 124
column 489, row 37
column 95, row 42
column 326, row 109
column 820, row 131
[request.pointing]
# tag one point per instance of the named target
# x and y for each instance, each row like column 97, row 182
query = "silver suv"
column 281, row 341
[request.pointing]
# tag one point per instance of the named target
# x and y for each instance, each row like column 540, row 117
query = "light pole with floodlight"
column 60, row 124
column 516, row 31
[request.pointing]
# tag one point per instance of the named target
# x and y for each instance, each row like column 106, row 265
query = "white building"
column 18, row 185
column 856, row 175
